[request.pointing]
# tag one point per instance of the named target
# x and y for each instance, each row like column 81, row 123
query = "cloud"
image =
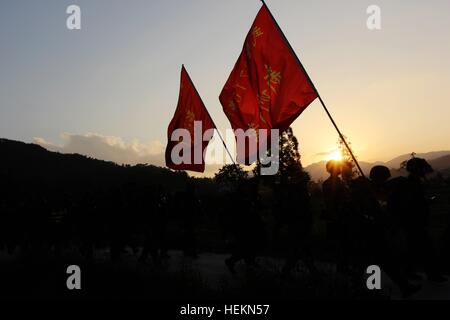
column 108, row 148
column 325, row 153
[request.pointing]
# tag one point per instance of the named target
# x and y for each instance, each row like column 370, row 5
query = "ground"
column 185, row 278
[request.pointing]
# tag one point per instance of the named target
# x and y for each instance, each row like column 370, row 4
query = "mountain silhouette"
column 429, row 156
column 31, row 164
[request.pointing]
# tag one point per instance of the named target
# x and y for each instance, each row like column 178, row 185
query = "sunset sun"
column 335, row 155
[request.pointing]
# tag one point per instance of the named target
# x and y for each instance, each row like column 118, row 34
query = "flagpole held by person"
column 268, row 87
column 317, row 92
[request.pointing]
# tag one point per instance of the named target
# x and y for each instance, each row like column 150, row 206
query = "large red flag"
column 268, row 88
column 190, row 109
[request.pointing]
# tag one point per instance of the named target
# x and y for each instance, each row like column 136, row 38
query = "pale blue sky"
column 119, row 75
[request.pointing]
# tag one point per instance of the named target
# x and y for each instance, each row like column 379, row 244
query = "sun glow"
column 335, row 155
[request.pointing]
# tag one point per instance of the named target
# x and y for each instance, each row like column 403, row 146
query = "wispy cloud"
column 325, row 153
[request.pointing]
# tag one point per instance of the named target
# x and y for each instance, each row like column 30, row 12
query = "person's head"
column 334, row 168
column 418, row 167
column 347, row 170
column 380, row 174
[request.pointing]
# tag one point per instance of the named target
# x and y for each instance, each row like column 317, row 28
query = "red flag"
column 268, row 88
column 190, row 109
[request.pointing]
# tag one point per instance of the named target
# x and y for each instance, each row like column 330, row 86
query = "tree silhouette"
column 347, row 161
column 289, row 160
column 405, row 162
column 229, row 176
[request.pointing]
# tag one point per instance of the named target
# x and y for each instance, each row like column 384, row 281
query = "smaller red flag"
column 190, row 113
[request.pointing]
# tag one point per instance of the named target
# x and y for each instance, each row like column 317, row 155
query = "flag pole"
column 207, row 112
column 317, row 92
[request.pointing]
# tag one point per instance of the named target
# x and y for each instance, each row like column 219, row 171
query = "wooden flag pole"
column 218, row 132
column 317, row 92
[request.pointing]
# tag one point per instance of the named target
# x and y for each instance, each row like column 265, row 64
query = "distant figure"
column 190, row 206
column 379, row 175
column 147, row 217
column 335, row 192
column 347, row 172
column 444, row 256
column 162, row 220
column 294, row 206
column 155, row 225
column 247, row 225
column 81, row 215
column 409, row 206
column 377, row 231
column 117, row 224
column 337, row 205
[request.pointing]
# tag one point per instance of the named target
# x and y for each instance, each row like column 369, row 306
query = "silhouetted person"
column 38, row 214
column 155, row 221
column 117, row 226
column 59, row 233
column 410, row 207
column 247, row 225
column 446, row 248
column 189, row 207
column 360, row 211
column 294, row 205
column 84, row 219
column 373, row 197
column 337, row 205
column 162, row 220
